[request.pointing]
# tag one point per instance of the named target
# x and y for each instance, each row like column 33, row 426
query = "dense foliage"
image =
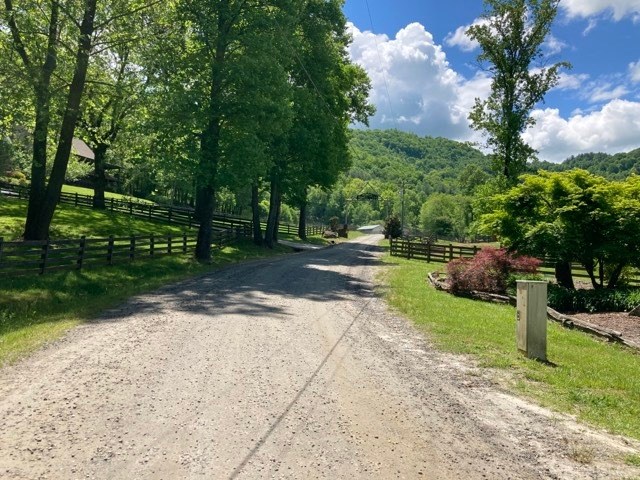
column 489, row 271
column 570, row 217
column 592, row 301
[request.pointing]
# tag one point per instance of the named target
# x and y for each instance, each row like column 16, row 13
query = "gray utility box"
column 531, row 319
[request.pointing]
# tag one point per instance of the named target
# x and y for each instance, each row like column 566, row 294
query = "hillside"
column 435, row 164
column 614, row 167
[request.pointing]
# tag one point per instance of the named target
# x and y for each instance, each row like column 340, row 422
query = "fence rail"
column 431, row 252
column 184, row 216
column 28, row 257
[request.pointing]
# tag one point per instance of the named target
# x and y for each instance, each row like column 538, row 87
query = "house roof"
column 81, row 149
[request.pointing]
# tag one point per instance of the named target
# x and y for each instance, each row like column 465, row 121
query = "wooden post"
column 429, row 252
column 132, row 247
column 169, row 244
column 83, row 242
column 450, row 252
column 44, row 255
column 409, row 249
column 110, row 251
column 152, row 245
column 170, row 212
column 184, row 243
column 76, row 199
column 1, row 247
column 475, row 250
column 130, row 208
column 150, row 206
column 111, row 204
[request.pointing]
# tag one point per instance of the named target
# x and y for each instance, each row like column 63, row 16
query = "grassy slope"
column 37, row 309
column 73, row 222
column 596, row 381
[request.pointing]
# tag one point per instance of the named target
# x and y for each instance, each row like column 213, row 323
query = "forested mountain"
column 401, row 168
column 614, row 167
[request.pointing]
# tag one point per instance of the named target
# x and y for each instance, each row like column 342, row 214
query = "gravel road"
column 282, row 368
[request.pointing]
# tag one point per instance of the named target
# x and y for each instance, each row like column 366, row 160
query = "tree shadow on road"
column 264, row 288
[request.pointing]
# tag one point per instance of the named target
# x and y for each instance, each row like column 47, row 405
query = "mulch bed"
column 627, row 325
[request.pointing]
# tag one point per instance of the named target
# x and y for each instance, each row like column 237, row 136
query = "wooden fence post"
column 170, row 213
column 409, row 249
column 130, row 208
column 150, row 206
column 169, row 244
column 44, row 255
column 428, row 252
column 1, row 247
column 132, row 247
column 112, row 204
column 184, row 243
column 475, row 250
column 83, row 242
column 450, row 252
column 152, row 245
column 110, row 251
column 76, row 199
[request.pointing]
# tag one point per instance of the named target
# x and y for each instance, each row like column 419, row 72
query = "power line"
column 384, row 75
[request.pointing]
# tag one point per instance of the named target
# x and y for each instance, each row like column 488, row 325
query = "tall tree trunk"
column 210, row 143
column 271, row 236
column 302, row 221
column 255, row 211
column 42, row 91
column 203, row 244
column 38, row 228
column 564, row 277
column 99, row 176
column 615, row 276
column 589, row 266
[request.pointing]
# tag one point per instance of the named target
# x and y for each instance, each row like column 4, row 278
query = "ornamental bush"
column 392, row 228
column 489, row 271
column 593, row 301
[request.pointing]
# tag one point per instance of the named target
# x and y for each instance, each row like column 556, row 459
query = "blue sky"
column 416, row 50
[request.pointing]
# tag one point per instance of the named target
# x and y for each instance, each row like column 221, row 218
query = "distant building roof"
column 78, row 147
column 370, row 227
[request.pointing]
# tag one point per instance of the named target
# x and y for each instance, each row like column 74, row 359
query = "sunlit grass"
column 596, row 381
column 74, row 222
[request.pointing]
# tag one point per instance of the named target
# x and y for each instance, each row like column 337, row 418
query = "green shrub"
column 392, row 228
column 592, row 301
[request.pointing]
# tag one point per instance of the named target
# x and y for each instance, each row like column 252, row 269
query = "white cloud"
column 425, row 95
column 634, row 71
column 614, row 128
column 588, row 8
column 554, row 45
column 460, row 39
column 428, row 97
column 568, row 81
column 604, row 92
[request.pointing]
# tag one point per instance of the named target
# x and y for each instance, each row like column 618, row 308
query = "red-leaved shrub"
column 488, row 271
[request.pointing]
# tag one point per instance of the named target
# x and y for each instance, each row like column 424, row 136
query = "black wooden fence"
column 41, row 256
column 431, row 252
column 184, row 216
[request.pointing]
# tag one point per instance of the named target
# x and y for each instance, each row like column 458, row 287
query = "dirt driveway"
column 284, row 368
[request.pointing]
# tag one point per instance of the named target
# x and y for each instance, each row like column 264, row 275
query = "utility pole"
column 402, row 208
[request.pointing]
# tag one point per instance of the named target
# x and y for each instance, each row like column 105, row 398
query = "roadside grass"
column 38, row 309
column 593, row 380
column 73, row 222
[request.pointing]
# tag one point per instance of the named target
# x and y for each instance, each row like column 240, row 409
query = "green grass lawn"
column 596, row 381
column 74, row 222
column 40, row 308
column 89, row 192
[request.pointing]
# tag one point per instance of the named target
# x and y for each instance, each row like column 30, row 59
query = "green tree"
column 571, row 216
column 511, row 37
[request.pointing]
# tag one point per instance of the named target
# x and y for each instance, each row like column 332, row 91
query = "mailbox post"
column 531, row 319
